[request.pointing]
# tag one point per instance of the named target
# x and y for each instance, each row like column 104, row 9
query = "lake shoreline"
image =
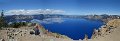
column 98, row 33
column 74, row 28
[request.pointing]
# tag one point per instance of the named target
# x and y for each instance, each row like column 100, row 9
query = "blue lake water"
column 73, row 28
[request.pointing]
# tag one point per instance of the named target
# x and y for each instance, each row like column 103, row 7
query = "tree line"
column 3, row 22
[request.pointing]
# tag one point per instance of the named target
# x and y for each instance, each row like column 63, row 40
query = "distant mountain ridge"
column 27, row 18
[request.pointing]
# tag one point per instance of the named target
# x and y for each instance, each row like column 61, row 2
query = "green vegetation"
column 18, row 24
column 2, row 20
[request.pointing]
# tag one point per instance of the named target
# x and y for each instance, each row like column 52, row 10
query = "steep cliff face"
column 108, row 32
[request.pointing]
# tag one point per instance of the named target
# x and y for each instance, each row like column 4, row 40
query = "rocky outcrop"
column 86, row 38
column 106, row 30
column 114, row 23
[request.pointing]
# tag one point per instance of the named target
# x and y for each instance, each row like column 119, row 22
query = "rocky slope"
column 23, row 34
column 108, row 32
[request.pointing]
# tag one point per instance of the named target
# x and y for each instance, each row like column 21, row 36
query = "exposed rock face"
column 108, row 32
column 103, row 29
column 95, row 33
column 86, row 38
column 114, row 23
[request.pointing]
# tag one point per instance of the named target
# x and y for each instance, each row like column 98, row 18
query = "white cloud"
column 31, row 12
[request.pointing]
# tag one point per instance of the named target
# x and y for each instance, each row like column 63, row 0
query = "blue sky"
column 72, row 7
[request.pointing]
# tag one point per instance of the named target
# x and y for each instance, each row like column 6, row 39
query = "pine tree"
column 2, row 20
column 2, row 13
